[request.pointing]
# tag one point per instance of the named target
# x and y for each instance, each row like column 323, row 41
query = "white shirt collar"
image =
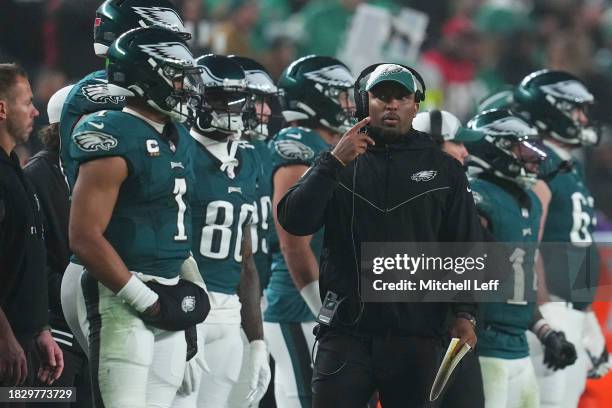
column 559, row 151
column 156, row 125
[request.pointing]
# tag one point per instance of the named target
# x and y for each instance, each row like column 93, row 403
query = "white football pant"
column 509, row 383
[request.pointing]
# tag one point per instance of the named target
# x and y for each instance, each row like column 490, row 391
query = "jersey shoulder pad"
column 296, row 145
column 484, row 197
column 103, row 134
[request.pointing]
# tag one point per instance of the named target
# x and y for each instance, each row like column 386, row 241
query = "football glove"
column 260, row 372
column 181, row 306
column 558, row 352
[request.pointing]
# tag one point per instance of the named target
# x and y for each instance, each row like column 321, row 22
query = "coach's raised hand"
column 353, row 143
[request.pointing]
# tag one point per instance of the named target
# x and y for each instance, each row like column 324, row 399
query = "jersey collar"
column 156, row 125
column 224, row 151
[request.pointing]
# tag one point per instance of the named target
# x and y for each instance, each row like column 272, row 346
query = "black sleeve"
column 461, row 224
column 310, row 195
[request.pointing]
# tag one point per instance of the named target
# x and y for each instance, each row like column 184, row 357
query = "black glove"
column 181, row 306
column 191, row 337
column 558, row 352
column 601, row 366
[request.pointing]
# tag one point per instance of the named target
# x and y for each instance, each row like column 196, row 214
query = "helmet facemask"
column 345, row 101
column 223, row 110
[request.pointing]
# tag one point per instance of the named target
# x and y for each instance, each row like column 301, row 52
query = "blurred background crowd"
column 469, row 48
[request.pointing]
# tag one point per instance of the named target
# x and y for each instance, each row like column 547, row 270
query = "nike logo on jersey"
column 294, row 135
column 174, row 165
column 99, row 126
column 234, row 190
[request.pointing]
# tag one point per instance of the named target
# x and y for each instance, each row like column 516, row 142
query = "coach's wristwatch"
column 467, row 316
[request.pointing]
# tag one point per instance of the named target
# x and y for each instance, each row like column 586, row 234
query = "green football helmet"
column 510, row 149
column 318, row 91
column 225, row 96
column 502, row 98
column 557, row 103
column 263, row 90
column 155, row 65
column 114, row 17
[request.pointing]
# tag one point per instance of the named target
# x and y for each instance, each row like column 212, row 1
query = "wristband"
column 137, row 294
column 468, row 317
column 541, row 329
column 312, row 297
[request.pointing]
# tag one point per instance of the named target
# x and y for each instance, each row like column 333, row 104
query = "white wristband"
column 258, row 345
column 310, row 294
column 538, row 327
column 137, row 294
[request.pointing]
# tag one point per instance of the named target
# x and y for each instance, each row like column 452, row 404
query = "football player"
column 508, row 159
column 263, row 96
column 317, row 103
column 557, row 103
column 446, row 130
column 91, row 94
column 223, row 212
column 130, row 222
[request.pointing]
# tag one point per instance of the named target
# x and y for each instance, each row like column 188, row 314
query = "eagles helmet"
column 155, row 64
column 114, row 17
column 557, row 103
column 318, row 90
column 502, row 98
column 510, row 149
column 225, row 95
column 262, row 88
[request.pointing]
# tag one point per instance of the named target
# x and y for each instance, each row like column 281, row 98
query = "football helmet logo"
column 94, row 141
column 163, row 16
column 336, row 75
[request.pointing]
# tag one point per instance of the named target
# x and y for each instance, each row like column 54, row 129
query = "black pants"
column 348, row 369
column 75, row 374
column 464, row 388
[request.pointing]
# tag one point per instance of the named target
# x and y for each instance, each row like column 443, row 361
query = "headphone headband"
column 361, row 96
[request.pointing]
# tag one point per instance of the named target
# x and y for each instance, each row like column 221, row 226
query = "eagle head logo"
column 94, row 141
column 293, row 150
column 98, row 93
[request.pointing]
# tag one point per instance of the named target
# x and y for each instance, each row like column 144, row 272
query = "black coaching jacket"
column 409, row 191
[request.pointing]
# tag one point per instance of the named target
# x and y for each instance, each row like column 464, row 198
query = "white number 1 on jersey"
column 180, row 188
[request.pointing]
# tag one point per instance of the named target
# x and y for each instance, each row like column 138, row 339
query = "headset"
column 435, row 126
column 361, row 95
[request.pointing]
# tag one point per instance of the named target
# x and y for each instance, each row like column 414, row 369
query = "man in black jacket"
column 23, row 295
column 388, row 184
column 43, row 171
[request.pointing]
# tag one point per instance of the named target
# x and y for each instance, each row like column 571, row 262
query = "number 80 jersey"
column 221, row 207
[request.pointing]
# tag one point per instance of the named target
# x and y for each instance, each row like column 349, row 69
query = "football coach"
column 382, row 182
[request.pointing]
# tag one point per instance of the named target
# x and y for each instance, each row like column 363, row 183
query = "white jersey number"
column 217, row 233
column 180, row 188
column 581, row 219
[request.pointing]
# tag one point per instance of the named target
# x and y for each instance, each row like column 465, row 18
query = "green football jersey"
column 570, row 219
column 89, row 95
column 291, row 146
column 222, row 206
column 501, row 330
column 263, row 212
column 150, row 227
